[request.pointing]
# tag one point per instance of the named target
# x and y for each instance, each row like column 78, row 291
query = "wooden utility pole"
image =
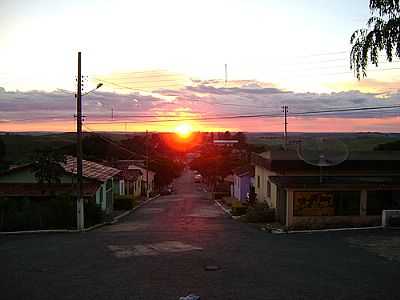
column 80, row 222
column 285, row 111
column 226, row 74
column 147, row 164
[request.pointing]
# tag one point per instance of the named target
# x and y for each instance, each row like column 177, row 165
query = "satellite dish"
column 322, row 152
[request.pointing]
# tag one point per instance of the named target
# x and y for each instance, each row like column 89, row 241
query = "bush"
column 123, row 202
column 238, row 209
column 260, row 213
column 58, row 212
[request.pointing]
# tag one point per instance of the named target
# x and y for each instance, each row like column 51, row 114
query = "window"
column 101, row 194
column 109, row 184
column 268, row 189
column 380, row 200
column 258, row 181
column 121, row 187
column 347, row 203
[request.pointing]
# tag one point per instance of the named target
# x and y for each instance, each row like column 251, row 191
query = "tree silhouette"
column 46, row 166
column 382, row 34
column 3, row 165
column 2, row 150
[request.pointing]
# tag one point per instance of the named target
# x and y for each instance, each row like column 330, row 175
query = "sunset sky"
column 165, row 59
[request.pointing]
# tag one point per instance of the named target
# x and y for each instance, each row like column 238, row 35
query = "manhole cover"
column 211, row 268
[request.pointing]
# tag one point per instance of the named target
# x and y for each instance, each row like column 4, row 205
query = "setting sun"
column 184, row 130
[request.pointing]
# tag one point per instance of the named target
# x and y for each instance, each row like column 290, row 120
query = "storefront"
column 336, row 201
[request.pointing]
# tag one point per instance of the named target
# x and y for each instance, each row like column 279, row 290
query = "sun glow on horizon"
column 184, row 130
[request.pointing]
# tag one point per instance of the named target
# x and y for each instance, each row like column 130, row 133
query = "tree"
column 96, row 148
column 391, row 146
column 241, row 137
column 47, row 166
column 3, row 164
column 382, row 34
column 2, row 150
column 166, row 171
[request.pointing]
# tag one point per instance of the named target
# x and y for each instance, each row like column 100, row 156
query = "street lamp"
column 99, row 85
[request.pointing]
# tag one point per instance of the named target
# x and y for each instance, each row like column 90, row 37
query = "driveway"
column 164, row 251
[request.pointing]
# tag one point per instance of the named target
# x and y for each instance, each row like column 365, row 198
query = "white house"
column 97, row 183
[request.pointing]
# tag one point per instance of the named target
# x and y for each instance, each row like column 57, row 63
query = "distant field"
column 354, row 141
column 20, row 147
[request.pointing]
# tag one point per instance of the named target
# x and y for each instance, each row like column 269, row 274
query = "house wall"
column 236, row 187
column 119, row 186
column 131, row 188
column 105, row 196
column 109, row 196
column 99, row 196
column 241, row 186
column 360, row 219
column 245, row 187
column 264, row 175
column 138, row 187
column 151, row 176
column 261, row 186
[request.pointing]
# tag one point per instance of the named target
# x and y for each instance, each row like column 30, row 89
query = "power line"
column 337, row 66
column 323, row 54
column 112, row 142
column 136, row 89
column 345, row 110
column 144, row 79
column 135, row 154
column 257, row 115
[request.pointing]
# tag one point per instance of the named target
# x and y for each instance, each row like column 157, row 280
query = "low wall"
column 387, row 214
column 335, row 221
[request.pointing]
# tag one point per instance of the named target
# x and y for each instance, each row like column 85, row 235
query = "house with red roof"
column 128, row 183
column 21, row 182
column 136, row 167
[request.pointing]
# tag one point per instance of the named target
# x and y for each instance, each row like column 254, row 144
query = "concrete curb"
column 280, row 231
column 333, row 229
column 115, row 220
column 227, row 211
column 39, row 231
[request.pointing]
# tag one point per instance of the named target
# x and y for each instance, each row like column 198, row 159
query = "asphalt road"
column 162, row 251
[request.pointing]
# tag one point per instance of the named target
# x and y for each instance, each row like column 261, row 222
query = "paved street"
column 161, row 251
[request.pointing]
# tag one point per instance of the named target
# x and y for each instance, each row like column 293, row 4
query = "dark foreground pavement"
column 160, row 252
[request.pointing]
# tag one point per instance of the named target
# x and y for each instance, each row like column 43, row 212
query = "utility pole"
column 226, row 74
column 80, row 222
column 147, row 164
column 285, row 111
